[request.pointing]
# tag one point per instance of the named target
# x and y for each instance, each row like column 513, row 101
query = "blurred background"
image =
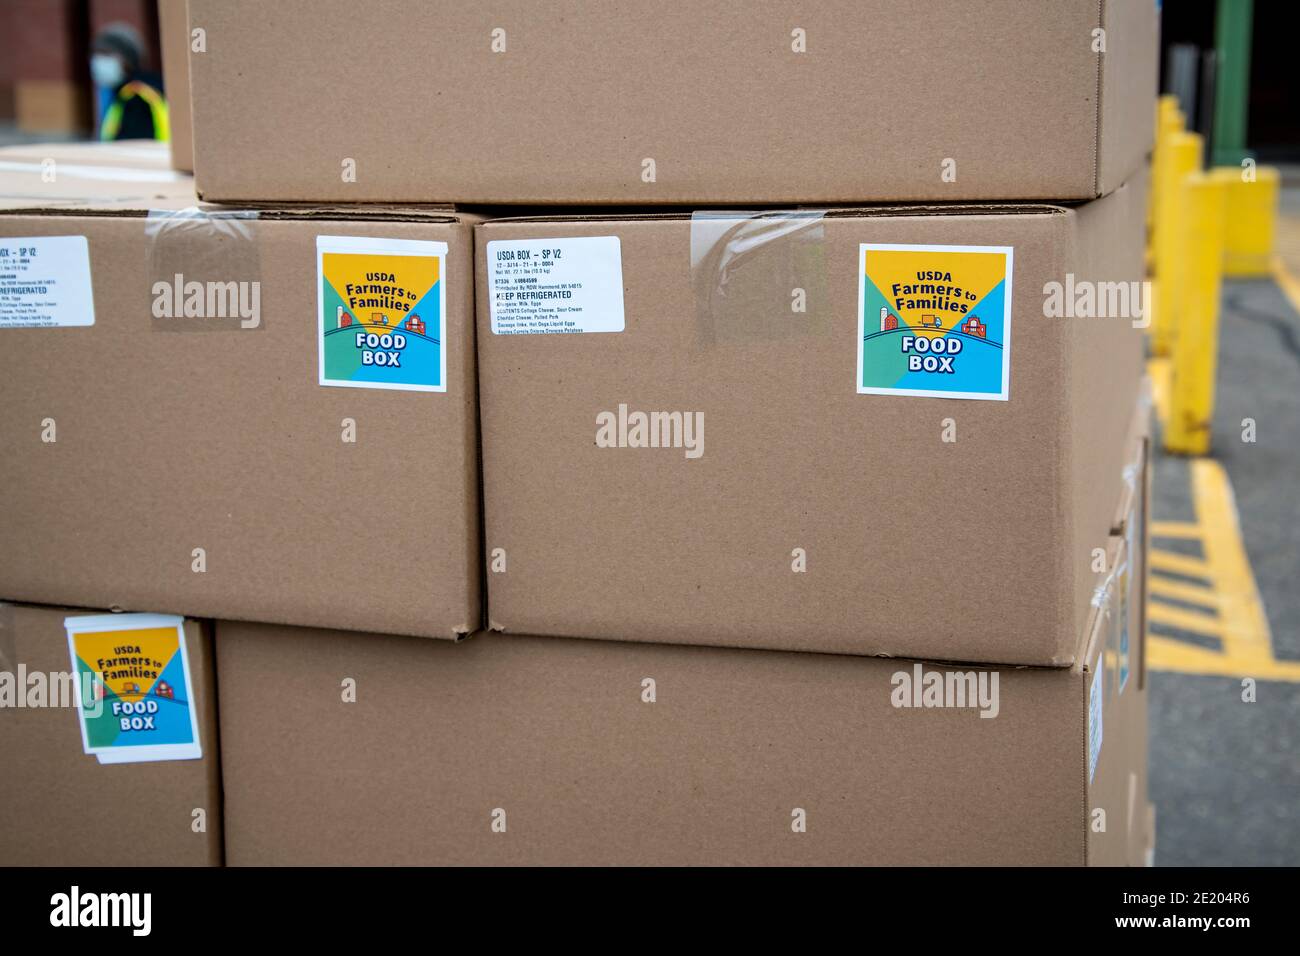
column 46, row 90
column 1224, row 254
column 1222, row 614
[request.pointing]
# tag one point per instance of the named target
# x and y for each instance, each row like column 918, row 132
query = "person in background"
column 136, row 107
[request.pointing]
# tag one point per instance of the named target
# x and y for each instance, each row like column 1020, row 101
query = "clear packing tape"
column 759, row 275
column 204, row 270
column 1104, row 592
column 1132, row 473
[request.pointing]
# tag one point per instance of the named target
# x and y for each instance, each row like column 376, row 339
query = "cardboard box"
column 51, row 106
column 1135, row 470
column 673, row 101
column 1131, row 519
column 811, row 514
column 128, row 174
column 194, row 464
column 1126, row 654
column 174, row 32
column 558, row 752
column 1120, row 617
column 62, row 806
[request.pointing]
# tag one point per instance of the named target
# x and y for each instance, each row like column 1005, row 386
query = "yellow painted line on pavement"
column 1179, row 591
column 1287, row 282
column 1175, row 563
column 1175, row 656
column 1175, row 529
column 1246, row 631
column 1205, row 623
column 1233, row 611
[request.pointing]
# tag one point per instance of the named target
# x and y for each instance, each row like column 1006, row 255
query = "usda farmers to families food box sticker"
column 382, row 308
column 934, row 321
column 142, row 707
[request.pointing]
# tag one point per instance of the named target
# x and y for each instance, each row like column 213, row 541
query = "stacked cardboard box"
column 191, row 461
column 64, row 807
column 886, row 608
column 537, row 750
column 799, row 510
column 173, row 25
column 173, row 450
column 730, row 101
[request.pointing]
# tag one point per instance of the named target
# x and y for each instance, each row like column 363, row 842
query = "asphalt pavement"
column 1225, row 774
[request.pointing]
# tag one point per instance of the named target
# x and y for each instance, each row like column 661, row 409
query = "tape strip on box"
column 759, row 275
column 204, row 270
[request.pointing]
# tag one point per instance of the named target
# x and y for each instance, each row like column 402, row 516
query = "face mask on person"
column 107, row 71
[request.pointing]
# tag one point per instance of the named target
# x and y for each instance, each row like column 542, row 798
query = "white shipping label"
column 547, row 286
column 1096, row 699
column 45, row 282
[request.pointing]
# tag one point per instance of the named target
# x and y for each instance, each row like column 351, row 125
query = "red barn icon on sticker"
column 164, row 689
column 415, row 324
column 344, row 318
column 974, row 326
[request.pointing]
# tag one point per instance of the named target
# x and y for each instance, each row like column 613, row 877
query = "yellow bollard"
column 1169, row 120
column 1167, row 105
column 1180, row 156
column 1196, row 342
column 1252, row 196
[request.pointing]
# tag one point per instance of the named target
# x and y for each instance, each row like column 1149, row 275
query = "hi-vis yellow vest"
column 157, row 106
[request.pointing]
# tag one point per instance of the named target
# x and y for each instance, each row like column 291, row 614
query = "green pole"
column 1232, row 80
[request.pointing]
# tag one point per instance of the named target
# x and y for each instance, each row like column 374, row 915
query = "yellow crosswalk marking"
column 1175, row 529
column 1233, row 611
column 1203, row 595
column 1175, row 563
column 1194, row 621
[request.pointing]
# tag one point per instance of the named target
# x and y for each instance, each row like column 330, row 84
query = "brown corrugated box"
column 521, row 750
column 732, row 102
column 913, row 545
column 171, row 436
column 174, row 31
column 1126, row 650
column 1129, row 650
column 1131, row 517
column 51, row 106
column 1135, row 472
column 128, row 174
column 64, row 808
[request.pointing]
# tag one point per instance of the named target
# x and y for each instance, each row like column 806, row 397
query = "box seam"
column 1083, row 751
column 1064, row 479
column 1097, row 115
